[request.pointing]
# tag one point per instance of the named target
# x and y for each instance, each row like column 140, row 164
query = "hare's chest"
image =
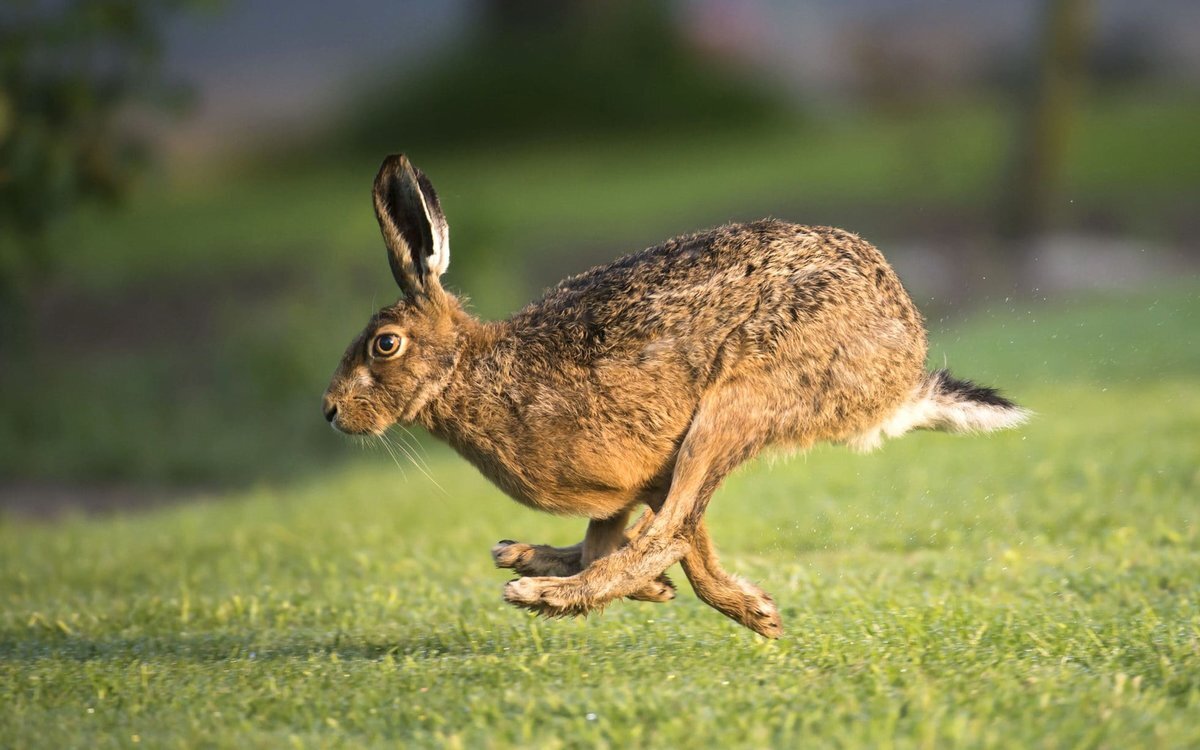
column 583, row 473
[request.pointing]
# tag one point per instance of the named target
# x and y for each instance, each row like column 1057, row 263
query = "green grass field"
column 1039, row 588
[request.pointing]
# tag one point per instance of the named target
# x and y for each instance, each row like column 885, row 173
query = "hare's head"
column 408, row 350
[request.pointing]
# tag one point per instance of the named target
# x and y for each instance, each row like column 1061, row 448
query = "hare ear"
column 413, row 226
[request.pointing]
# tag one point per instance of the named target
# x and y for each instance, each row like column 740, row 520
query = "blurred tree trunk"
column 1046, row 114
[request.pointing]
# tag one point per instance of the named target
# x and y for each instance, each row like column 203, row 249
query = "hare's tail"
column 943, row 402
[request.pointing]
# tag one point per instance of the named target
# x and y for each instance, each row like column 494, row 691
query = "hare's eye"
column 386, row 345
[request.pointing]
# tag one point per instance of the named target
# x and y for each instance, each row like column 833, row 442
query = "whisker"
column 414, row 460
column 402, row 449
column 397, row 448
column 415, row 448
column 414, row 439
column 383, row 441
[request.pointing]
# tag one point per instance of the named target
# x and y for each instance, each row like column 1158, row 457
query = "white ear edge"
column 438, row 261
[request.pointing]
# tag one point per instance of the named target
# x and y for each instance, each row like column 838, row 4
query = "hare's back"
column 769, row 279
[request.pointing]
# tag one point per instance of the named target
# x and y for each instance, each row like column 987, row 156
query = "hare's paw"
column 509, row 554
column 536, row 559
column 661, row 589
column 759, row 612
column 548, row 596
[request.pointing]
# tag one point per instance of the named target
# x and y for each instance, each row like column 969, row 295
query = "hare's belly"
column 580, row 474
column 597, row 472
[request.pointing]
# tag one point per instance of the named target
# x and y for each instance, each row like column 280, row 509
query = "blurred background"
column 187, row 242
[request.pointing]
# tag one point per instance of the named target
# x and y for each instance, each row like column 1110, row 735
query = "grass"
column 1031, row 589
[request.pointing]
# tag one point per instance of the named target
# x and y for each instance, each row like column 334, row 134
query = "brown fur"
column 643, row 382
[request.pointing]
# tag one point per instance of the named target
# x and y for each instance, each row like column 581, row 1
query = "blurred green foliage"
column 68, row 74
column 531, row 72
column 202, row 323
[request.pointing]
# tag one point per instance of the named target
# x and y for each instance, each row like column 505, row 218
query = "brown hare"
column 646, row 382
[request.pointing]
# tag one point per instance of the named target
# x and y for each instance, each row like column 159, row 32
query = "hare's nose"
column 328, row 408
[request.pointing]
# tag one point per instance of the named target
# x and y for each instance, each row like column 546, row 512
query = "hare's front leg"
column 538, row 559
column 722, row 435
column 603, row 537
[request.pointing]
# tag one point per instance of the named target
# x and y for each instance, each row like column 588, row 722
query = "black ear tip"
column 394, row 164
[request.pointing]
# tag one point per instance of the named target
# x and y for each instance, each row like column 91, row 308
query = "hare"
column 646, row 382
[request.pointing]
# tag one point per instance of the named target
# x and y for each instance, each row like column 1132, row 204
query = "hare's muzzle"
column 329, row 409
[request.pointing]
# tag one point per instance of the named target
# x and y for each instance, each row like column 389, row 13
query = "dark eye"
column 386, row 345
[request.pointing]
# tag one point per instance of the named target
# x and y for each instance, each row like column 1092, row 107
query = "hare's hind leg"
column 603, row 537
column 607, row 536
column 725, row 431
column 733, row 597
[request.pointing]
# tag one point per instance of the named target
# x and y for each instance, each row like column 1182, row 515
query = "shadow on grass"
column 248, row 646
